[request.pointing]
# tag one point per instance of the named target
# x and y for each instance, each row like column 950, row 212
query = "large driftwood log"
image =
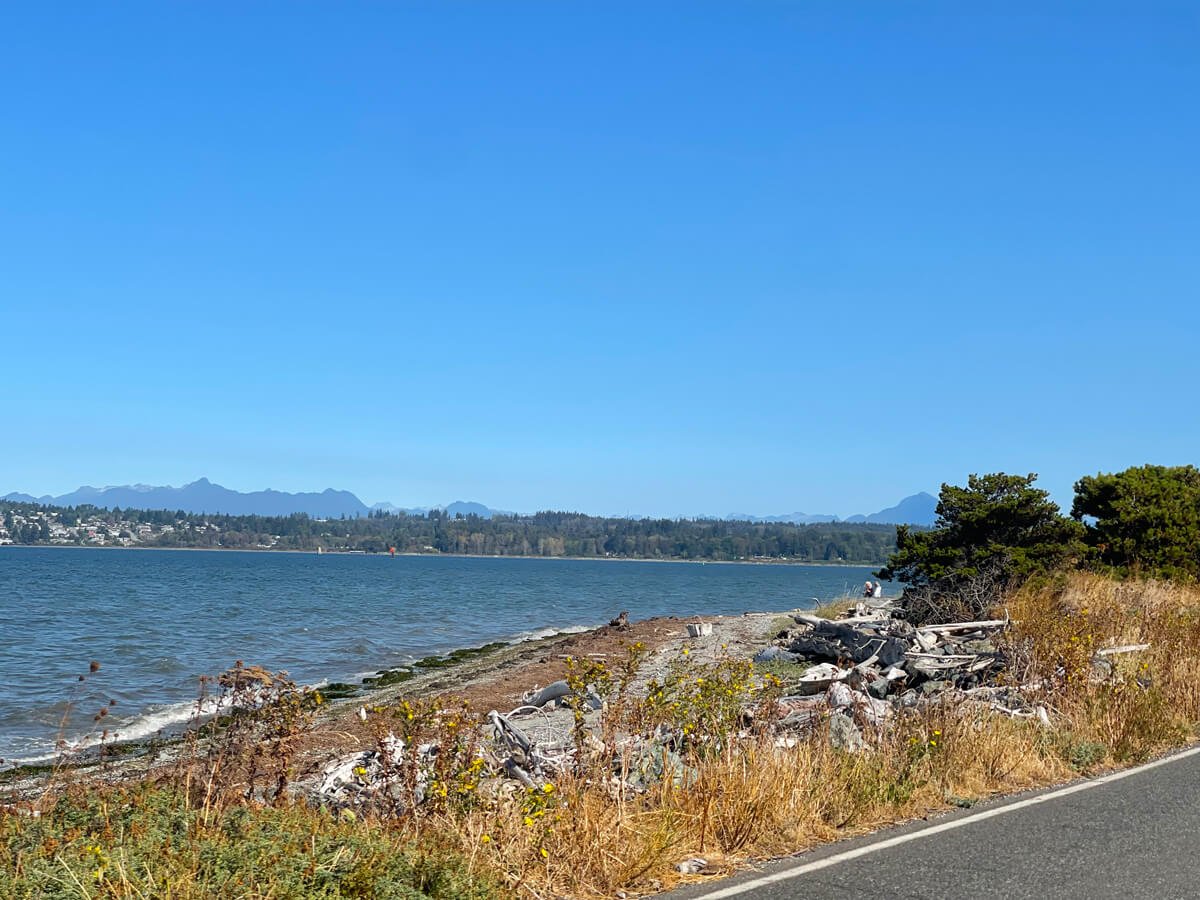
column 805, row 619
column 830, row 640
column 954, row 627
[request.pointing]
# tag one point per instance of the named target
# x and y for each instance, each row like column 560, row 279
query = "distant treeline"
column 547, row 534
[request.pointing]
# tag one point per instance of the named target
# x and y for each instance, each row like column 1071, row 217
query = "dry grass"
column 1149, row 700
column 838, row 608
column 737, row 795
column 757, row 799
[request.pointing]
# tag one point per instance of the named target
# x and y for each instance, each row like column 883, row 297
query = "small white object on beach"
column 362, row 713
column 699, row 629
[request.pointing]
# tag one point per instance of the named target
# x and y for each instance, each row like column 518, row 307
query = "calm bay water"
column 157, row 620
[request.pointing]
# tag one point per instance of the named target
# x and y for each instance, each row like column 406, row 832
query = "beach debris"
column 819, row 677
column 656, row 763
column 844, row 734
column 550, row 692
column 364, row 778
column 861, row 671
column 694, row 866
column 621, row 621
column 836, row 641
column 776, row 654
column 527, row 758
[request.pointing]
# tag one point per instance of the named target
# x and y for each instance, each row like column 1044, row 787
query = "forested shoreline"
column 543, row 534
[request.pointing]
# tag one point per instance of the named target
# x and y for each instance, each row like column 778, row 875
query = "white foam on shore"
column 153, row 722
column 142, row 726
column 541, row 633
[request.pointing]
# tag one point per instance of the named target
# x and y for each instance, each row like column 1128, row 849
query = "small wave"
column 152, row 722
column 14, row 762
column 542, row 633
column 143, row 726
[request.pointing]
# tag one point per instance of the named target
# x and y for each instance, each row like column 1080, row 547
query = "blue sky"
column 652, row 258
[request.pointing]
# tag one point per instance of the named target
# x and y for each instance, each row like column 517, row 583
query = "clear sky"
column 651, row 258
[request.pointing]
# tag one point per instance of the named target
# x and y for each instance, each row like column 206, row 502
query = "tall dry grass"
column 757, row 799
column 1131, row 705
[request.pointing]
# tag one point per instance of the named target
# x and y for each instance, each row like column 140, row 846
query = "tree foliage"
column 995, row 532
column 1143, row 521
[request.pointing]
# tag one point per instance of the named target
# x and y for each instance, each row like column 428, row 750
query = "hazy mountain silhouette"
column 203, row 496
column 469, row 508
column 917, row 509
column 26, row 498
column 796, row 518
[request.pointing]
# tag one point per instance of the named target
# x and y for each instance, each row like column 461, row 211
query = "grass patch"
column 149, row 842
column 787, row 672
column 835, row 609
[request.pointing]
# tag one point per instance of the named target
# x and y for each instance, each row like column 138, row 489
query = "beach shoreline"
column 490, row 676
column 363, row 553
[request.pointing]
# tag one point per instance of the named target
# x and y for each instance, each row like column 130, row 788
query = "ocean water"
column 156, row 621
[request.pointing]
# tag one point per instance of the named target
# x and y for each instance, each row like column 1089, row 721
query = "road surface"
column 1133, row 834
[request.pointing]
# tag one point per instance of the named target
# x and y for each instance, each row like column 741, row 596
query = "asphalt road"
column 1132, row 834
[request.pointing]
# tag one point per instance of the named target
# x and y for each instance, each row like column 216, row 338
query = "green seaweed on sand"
column 339, row 690
column 386, row 677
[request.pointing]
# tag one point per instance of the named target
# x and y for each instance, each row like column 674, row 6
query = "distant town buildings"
column 106, row 529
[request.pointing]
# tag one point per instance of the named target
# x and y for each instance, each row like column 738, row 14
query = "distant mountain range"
column 796, row 518
column 918, row 509
column 203, row 496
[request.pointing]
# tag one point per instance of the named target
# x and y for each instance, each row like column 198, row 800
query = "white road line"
column 859, row 852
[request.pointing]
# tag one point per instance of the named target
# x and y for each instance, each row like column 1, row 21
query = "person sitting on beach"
column 868, row 590
column 878, row 592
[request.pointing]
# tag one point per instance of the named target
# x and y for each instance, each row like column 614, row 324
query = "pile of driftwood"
column 864, row 666
column 861, row 670
column 888, row 654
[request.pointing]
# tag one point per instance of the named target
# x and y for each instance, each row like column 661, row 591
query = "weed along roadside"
column 647, row 763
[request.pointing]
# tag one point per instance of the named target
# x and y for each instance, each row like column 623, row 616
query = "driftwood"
column 933, row 666
column 1125, row 648
column 550, row 692
column 954, row 627
column 821, row 676
column 805, row 619
column 830, row 640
